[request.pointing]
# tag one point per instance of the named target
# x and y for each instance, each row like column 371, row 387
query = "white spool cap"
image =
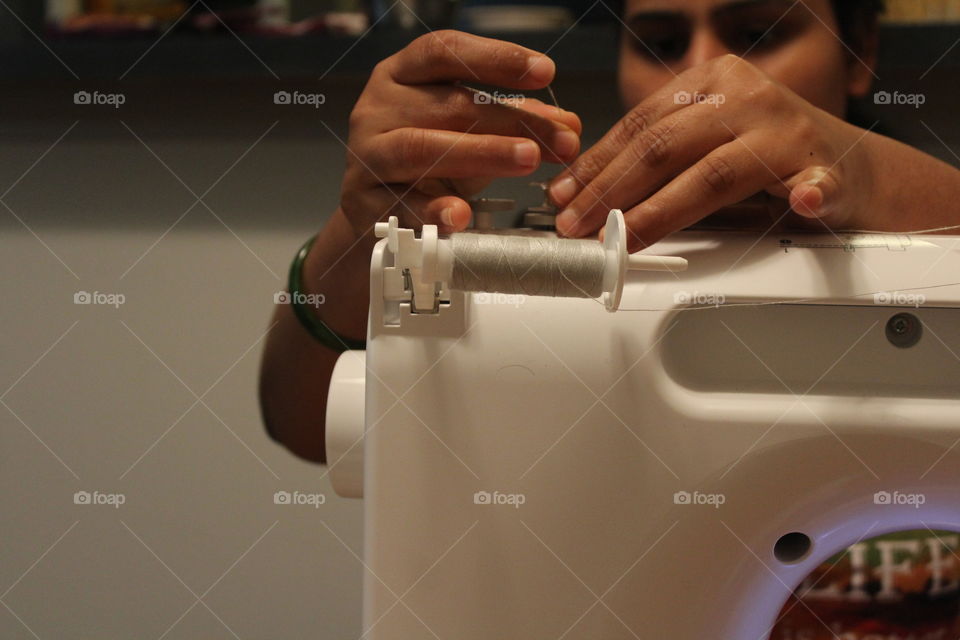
column 618, row 261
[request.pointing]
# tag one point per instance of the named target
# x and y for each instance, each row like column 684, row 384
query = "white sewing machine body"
column 542, row 468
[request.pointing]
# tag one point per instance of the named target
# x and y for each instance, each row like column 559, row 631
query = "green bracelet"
column 314, row 325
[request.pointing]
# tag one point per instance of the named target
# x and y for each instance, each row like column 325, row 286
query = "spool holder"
column 423, row 267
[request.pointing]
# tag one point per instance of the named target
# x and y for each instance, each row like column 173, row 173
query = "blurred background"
column 160, row 163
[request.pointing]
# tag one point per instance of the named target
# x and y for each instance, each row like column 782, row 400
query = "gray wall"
column 108, row 398
column 97, row 398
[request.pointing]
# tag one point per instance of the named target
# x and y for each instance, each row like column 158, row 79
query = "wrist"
column 337, row 267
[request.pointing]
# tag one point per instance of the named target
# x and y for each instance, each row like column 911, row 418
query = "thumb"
column 814, row 192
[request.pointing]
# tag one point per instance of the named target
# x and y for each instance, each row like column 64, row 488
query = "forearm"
column 295, row 369
column 910, row 190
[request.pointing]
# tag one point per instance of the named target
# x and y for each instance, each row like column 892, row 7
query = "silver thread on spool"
column 529, row 265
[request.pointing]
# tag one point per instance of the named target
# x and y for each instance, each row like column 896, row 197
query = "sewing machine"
column 537, row 467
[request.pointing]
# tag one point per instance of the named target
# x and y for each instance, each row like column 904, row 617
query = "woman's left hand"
column 715, row 135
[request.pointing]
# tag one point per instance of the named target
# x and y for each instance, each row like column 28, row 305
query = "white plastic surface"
column 345, row 424
column 598, row 420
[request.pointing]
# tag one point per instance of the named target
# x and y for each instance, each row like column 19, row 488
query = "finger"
column 814, row 192
column 551, row 112
column 470, row 186
column 458, row 109
column 464, row 188
column 555, row 114
column 447, row 56
column 413, row 208
column 725, row 176
column 565, row 186
column 645, row 163
column 409, row 155
column 449, row 213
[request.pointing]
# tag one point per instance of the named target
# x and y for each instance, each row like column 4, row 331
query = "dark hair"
column 855, row 18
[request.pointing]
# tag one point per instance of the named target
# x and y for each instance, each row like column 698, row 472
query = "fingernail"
column 541, row 68
column 566, row 221
column 446, row 216
column 526, row 154
column 566, row 144
column 809, row 199
column 563, row 190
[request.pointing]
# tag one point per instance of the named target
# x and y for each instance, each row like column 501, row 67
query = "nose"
column 704, row 46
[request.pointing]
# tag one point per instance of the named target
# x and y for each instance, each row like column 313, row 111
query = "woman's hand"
column 419, row 141
column 715, row 135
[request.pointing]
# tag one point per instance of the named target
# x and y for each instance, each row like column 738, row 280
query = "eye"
column 754, row 38
column 664, row 47
column 659, row 39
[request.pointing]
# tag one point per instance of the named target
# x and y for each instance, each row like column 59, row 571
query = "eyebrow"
column 729, row 7
column 740, row 5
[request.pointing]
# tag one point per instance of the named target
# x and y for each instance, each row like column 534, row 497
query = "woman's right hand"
column 420, row 142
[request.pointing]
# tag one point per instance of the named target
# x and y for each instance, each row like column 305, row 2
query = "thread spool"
column 541, row 266
column 533, row 266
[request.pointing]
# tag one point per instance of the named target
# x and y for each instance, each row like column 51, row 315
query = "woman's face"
column 795, row 42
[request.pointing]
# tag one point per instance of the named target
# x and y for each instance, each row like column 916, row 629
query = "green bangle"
column 314, row 325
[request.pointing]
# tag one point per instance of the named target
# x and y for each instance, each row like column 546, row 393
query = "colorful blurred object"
column 922, row 11
column 112, row 17
column 265, row 17
column 902, row 586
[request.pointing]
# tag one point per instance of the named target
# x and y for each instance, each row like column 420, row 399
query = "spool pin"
column 430, row 260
